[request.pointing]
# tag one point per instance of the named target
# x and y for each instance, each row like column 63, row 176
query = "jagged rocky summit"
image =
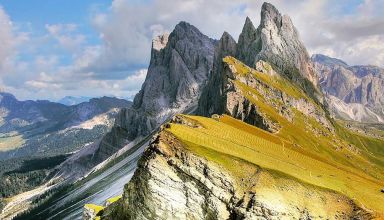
column 275, row 41
column 179, row 68
column 185, row 69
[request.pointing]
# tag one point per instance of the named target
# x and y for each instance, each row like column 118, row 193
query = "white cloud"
column 66, row 36
column 365, row 50
column 6, row 36
column 128, row 27
column 353, row 33
column 9, row 41
column 116, row 66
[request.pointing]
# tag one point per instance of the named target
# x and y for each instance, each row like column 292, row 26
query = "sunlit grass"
column 241, row 149
column 96, row 208
column 113, row 199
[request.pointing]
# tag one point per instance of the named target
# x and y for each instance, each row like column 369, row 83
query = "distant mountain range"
column 34, row 127
column 353, row 92
column 72, row 100
column 42, row 131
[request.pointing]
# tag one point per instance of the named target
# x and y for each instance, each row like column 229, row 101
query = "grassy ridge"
column 232, row 138
column 342, row 146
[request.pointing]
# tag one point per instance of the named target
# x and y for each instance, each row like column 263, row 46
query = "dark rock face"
column 213, row 98
column 179, row 68
column 250, row 43
column 176, row 74
column 353, row 85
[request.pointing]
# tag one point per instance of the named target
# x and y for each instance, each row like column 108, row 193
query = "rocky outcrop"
column 92, row 211
column 352, row 111
column 180, row 64
column 276, row 41
column 179, row 67
column 236, row 102
column 173, row 183
column 212, row 100
column 358, row 86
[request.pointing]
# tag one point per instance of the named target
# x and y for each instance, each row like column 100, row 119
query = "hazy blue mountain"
column 35, row 136
column 26, row 126
column 73, row 100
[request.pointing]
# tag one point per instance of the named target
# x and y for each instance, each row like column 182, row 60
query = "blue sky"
column 55, row 48
column 32, row 16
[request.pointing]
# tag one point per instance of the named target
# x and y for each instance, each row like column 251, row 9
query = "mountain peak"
column 6, row 94
column 277, row 41
column 248, row 24
column 184, row 26
column 326, row 60
column 248, row 27
column 270, row 13
column 226, row 37
column 185, row 30
column 6, row 97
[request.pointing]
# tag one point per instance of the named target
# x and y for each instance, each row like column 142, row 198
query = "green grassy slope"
column 336, row 159
column 240, row 147
column 340, row 146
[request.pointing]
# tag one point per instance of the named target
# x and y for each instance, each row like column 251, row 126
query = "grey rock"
column 212, row 100
column 172, row 184
column 250, row 43
column 176, row 74
column 179, row 68
column 234, row 102
column 276, row 41
column 327, row 61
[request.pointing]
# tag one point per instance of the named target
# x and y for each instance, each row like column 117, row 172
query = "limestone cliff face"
column 276, row 41
column 170, row 183
column 180, row 64
column 212, row 100
column 179, row 67
column 234, row 101
column 173, row 183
